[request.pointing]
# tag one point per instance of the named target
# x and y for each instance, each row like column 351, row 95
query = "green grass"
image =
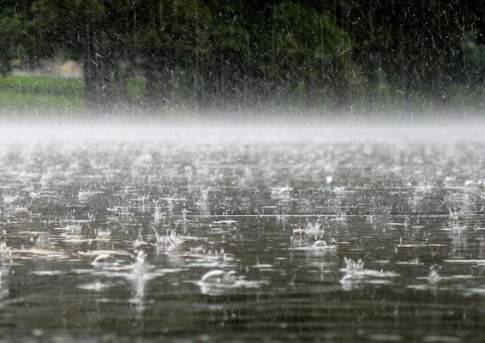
column 17, row 100
column 43, row 92
column 53, row 93
column 43, row 85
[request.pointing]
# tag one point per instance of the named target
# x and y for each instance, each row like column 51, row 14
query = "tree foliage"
column 221, row 52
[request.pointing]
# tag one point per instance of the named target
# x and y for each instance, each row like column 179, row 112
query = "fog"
column 214, row 130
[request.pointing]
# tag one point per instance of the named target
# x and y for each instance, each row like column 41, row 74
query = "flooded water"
column 242, row 242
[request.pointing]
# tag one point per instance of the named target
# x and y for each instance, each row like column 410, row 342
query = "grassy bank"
column 42, row 92
column 50, row 93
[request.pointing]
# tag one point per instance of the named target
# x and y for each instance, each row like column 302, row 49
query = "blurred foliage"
column 221, row 53
column 10, row 31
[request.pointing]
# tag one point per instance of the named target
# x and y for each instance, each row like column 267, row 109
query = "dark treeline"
column 234, row 53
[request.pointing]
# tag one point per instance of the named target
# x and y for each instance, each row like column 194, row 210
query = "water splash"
column 169, row 242
column 217, row 282
column 355, row 274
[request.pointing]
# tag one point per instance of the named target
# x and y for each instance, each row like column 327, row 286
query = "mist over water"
column 244, row 128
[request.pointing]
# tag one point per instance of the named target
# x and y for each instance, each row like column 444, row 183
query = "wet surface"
column 254, row 242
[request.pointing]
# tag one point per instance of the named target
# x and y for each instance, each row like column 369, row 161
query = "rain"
column 216, row 171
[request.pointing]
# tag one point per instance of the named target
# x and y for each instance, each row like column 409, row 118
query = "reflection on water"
column 254, row 242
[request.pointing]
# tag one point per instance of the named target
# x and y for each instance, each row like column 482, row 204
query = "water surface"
column 321, row 242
